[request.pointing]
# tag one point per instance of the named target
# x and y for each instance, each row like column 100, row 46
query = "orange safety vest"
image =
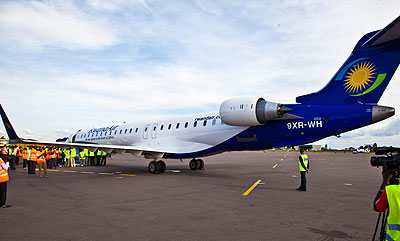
column 4, row 151
column 3, row 172
column 32, row 156
column 24, row 155
column 54, row 155
column 40, row 159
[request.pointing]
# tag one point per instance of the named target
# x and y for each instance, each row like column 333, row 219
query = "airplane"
column 347, row 102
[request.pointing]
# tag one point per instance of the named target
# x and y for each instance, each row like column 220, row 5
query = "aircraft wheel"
column 153, row 168
column 161, row 166
column 193, row 164
column 200, row 164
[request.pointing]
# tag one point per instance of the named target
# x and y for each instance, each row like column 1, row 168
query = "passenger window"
column 130, row 131
column 169, row 126
column 115, row 132
column 186, row 124
column 205, row 123
column 137, row 129
column 145, row 130
column 120, row 132
column 101, row 133
column 177, row 126
column 110, row 133
column 195, row 124
column 154, row 128
column 85, row 135
column 97, row 133
column 162, row 127
column 214, row 121
column 126, row 131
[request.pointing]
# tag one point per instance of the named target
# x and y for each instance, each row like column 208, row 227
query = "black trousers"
column 303, row 180
column 3, row 193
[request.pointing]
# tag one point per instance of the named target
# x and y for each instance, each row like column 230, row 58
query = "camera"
column 391, row 159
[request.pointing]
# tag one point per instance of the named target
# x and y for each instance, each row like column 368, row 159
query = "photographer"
column 388, row 196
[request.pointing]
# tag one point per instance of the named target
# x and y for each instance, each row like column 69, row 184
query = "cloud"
column 79, row 64
column 57, row 24
column 62, row 131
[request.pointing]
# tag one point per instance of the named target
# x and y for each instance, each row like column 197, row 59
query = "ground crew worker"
column 304, row 166
column 91, row 158
column 41, row 161
column 103, row 158
column 82, row 158
column 67, row 158
column 388, row 196
column 86, row 151
column 3, row 184
column 98, row 157
column 11, row 158
column 24, row 158
column 73, row 157
column 19, row 156
column 32, row 161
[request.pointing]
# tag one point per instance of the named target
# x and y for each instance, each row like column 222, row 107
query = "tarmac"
column 123, row 201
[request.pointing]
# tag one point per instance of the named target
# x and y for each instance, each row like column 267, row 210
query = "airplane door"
column 154, row 131
column 146, row 132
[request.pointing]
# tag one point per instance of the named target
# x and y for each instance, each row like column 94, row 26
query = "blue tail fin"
column 7, row 124
column 366, row 73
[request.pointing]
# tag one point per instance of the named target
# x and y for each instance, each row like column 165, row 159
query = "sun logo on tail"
column 359, row 77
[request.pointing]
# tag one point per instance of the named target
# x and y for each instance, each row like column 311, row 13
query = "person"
column 98, row 157
column 304, row 165
column 3, row 184
column 388, row 197
column 91, row 158
column 103, row 158
column 32, row 161
column 24, row 158
column 41, row 161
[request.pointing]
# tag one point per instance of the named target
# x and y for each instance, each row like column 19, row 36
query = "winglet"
column 7, row 124
column 389, row 34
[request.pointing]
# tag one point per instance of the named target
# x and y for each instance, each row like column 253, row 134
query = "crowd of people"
column 50, row 158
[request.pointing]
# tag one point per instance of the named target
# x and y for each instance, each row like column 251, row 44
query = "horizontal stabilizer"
column 388, row 34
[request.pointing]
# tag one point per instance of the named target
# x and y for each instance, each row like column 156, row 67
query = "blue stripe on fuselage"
column 319, row 121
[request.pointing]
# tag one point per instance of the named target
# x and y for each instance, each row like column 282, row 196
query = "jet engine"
column 250, row 111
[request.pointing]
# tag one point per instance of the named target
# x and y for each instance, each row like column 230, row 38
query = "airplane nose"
column 381, row 112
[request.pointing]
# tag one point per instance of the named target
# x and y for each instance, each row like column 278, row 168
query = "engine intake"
column 250, row 111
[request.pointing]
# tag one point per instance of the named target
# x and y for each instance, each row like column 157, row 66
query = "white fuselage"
column 185, row 134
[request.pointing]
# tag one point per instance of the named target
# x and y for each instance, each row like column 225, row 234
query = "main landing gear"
column 196, row 164
column 157, row 167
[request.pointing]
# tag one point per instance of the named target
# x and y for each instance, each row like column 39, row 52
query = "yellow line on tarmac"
column 106, row 173
column 50, row 170
column 251, row 188
column 128, row 175
column 88, row 172
column 69, row 171
column 275, row 165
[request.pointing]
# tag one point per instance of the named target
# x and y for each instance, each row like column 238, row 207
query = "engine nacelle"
column 250, row 111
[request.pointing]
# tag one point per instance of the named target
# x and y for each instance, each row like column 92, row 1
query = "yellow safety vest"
column 73, row 152
column 305, row 162
column 393, row 220
column 91, row 153
column 3, row 172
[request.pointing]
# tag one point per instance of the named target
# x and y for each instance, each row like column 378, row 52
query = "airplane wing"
column 136, row 150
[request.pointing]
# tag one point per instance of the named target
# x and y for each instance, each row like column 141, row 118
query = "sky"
column 67, row 65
